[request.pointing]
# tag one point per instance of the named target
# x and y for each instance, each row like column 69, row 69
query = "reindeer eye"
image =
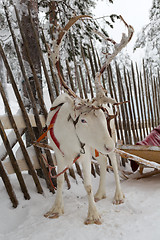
column 83, row 121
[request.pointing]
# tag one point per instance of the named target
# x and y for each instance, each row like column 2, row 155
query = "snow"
column 137, row 218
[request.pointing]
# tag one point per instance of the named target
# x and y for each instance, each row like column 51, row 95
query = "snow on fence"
column 136, row 119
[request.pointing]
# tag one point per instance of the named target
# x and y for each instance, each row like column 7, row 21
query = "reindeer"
column 76, row 127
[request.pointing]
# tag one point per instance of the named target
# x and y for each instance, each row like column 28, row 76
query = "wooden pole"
column 100, row 66
column 112, row 93
column 75, row 66
column 55, row 83
column 83, row 84
column 132, row 108
column 147, row 100
column 94, row 56
column 14, row 162
column 70, row 76
column 124, row 115
column 154, row 102
column 140, row 101
column 88, row 72
column 13, row 143
column 136, row 104
column 144, row 106
column 8, row 186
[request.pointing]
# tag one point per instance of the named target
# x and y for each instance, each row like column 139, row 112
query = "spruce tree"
column 149, row 38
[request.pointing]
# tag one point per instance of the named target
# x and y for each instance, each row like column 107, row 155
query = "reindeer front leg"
column 101, row 192
column 93, row 215
column 119, row 196
column 58, row 207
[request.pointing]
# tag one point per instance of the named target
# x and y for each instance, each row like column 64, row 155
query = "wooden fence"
column 136, row 119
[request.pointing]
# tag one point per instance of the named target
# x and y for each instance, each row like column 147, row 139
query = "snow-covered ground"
column 137, row 219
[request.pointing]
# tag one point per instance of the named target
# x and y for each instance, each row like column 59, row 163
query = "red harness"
column 51, row 129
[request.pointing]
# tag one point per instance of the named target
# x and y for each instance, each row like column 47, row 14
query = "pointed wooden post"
column 8, row 186
column 14, row 162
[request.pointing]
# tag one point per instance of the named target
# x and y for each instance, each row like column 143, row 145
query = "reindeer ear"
column 73, row 105
column 61, row 99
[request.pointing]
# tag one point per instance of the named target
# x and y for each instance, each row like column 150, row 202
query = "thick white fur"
column 94, row 134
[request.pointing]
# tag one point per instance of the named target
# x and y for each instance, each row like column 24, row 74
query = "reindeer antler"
column 100, row 92
column 118, row 46
column 56, row 46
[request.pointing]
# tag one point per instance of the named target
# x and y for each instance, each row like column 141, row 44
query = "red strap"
column 53, row 120
column 55, row 176
column 66, row 168
column 45, row 133
column 96, row 153
column 51, row 129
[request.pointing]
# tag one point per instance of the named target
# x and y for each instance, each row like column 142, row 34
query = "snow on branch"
column 100, row 92
column 117, row 46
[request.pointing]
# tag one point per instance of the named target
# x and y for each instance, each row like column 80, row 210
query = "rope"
column 53, row 167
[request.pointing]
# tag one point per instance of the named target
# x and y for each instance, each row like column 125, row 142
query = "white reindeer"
column 76, row 128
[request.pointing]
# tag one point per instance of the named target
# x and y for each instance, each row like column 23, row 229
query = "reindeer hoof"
column 96, row 199
column 90, row 221
column 117, row 202
column 119, row 199
column 51, row 215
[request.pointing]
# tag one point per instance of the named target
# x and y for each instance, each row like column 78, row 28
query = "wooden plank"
column 20, row 121
column 139, row 160
column 22, row 163
column 150, row 153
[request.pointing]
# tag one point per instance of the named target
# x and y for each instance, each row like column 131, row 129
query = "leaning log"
column 8, row 186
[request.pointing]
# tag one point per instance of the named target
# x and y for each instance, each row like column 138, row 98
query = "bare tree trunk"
column 3, row 79
column 52, row 18
column 33, row 50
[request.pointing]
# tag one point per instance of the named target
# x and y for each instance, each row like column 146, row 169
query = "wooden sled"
column 145, row 156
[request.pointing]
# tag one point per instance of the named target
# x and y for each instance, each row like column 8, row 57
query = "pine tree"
column 149, row 38
column 58, row 13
